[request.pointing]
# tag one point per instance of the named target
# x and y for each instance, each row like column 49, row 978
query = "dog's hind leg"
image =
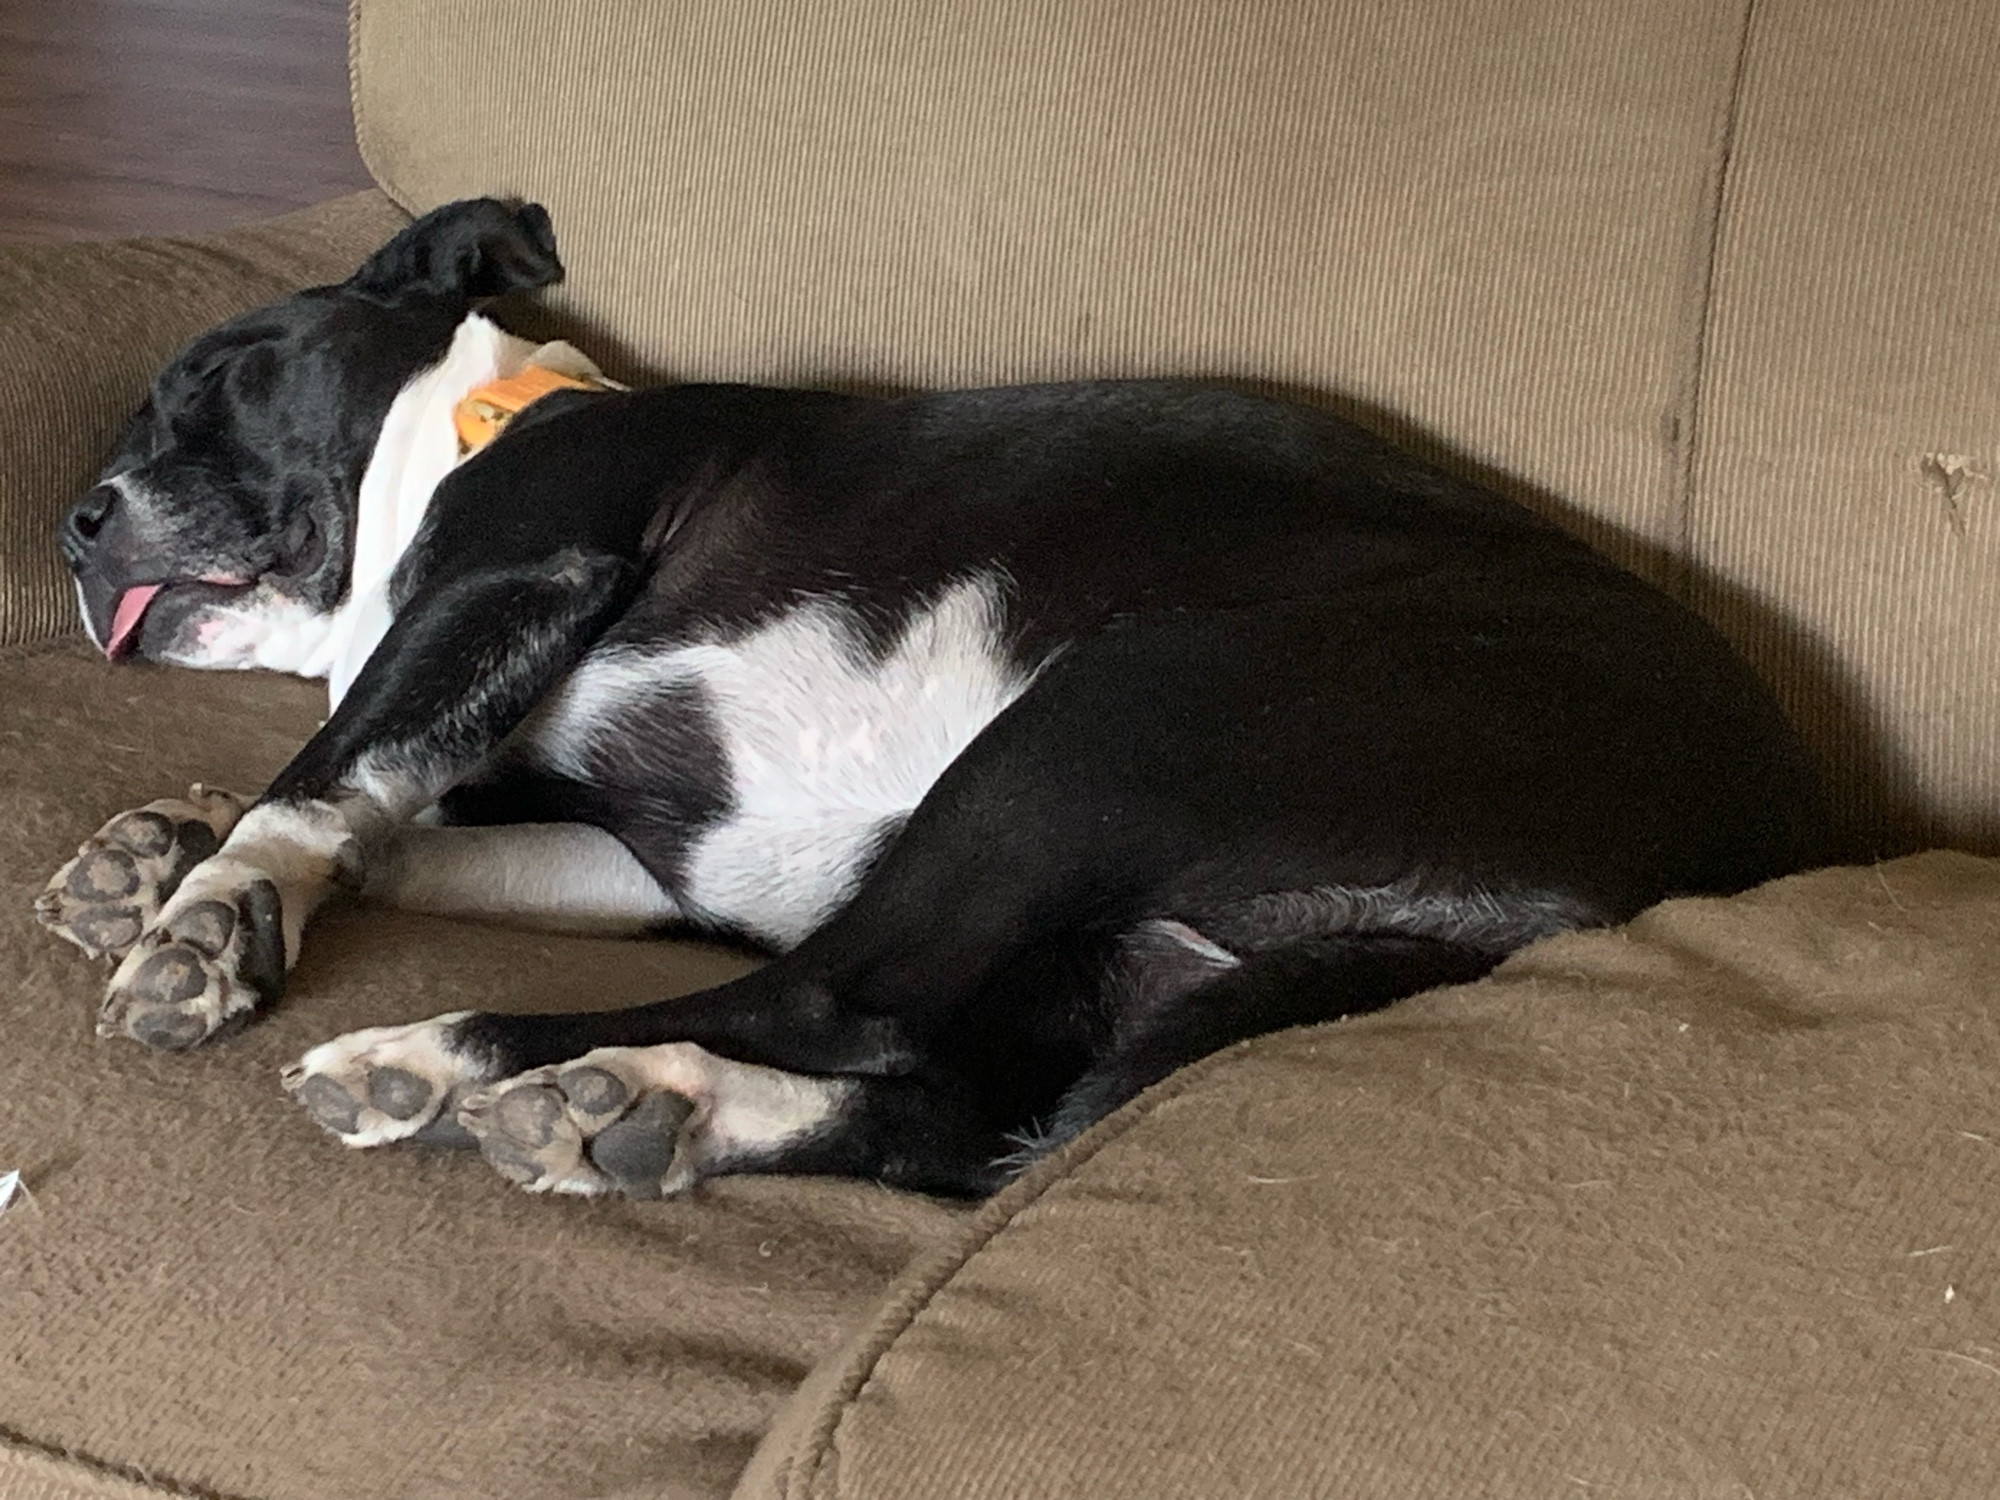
column 599, row 1102
column 772, row 1072
column 641, row 1120
column 461, row 666
column 1302, row 983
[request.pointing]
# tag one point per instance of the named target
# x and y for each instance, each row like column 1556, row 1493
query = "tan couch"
column 1706, row 1207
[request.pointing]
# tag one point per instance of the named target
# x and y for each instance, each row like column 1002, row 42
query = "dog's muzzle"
column 112, row 586
column 86, row 537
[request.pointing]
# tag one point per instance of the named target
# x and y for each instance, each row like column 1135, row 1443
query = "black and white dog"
column 1050, row 737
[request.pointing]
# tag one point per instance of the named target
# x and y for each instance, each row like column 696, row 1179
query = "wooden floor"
column 169, row 116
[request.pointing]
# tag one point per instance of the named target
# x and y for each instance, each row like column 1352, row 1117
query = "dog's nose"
column 85, row 519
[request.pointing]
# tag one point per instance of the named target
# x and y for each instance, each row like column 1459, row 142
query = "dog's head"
column 229, row 505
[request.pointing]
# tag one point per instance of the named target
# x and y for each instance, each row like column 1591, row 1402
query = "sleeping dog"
column 1050, row 738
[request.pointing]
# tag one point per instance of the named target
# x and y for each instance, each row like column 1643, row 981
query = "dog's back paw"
column 389, row 1083
column 609, row 1122
column 125, row 872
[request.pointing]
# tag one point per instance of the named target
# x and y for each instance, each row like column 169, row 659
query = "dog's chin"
column 224, row 628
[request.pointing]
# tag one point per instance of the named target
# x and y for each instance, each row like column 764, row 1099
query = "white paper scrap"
column 11, row 1188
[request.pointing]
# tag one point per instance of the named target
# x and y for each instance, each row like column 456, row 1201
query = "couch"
column 1706, row 1206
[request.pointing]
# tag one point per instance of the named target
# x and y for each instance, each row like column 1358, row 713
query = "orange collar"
column 487, row 409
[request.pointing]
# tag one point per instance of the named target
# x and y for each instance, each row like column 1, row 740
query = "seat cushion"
column 207, row 1294
column 1702, row 1208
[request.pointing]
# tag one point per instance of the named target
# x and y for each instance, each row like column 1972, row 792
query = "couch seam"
column 1035, row 1188
column 354, row 86
column 47, row 645
column 104, row 1469
column 1714, row 212
column 364, row 140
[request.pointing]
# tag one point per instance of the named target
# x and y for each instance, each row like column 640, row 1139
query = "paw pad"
column 206, row 927
column 579, row 1129
column 398, row 1093
column 593, row 1091
column 202, row 968
column 640, row 1148
column 330, row 1105
column 389, row 1083
column 103, row 875
column 123, row 874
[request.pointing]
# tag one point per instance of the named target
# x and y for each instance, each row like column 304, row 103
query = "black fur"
column 1360, row 723
column 258, row 433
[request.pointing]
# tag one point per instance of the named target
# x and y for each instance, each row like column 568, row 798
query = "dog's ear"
column 466, row 252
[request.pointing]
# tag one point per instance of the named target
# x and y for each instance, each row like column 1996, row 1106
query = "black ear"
column 466, row 252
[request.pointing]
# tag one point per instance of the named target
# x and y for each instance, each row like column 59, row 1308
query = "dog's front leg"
column 466, row 659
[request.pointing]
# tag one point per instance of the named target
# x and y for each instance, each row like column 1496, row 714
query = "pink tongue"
column 126, row 617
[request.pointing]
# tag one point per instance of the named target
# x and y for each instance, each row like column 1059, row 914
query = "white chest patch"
column 417, row 448
column 263, row 628
column 825, row 741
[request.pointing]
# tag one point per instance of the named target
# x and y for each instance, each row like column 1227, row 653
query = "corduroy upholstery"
column 1701, row 1208
column 1712, row 280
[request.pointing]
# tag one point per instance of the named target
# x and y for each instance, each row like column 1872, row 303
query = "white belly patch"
column 825, row 741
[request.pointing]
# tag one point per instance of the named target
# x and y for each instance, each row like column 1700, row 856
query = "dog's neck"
column 417, row 448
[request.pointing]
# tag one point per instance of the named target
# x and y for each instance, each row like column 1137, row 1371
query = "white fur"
column 83, row 609
column 416, row 448
column 604, row 686
column 302, row 848
column 1165, row 929
column 824, row 741
column 260, row 628
column 561, row 876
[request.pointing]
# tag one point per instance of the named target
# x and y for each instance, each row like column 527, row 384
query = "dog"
column 1049, row 738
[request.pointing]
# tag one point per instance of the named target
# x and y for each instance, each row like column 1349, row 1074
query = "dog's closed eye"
column 302, row 548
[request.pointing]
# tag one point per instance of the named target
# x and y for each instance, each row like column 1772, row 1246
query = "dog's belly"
column 758, row 776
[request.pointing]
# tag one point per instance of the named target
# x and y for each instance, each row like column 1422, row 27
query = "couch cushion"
column 1707, row 1207
column 1475, row 219
column 1695, row 276
column 1850, row 414
column 209, row 1296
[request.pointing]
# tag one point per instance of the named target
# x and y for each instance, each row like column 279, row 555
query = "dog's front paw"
column 389, row 1083
column 214, row 955
column 125, row 872
column 615, row 1120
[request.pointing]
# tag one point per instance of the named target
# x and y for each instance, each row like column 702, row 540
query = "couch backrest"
column 1718, row 283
